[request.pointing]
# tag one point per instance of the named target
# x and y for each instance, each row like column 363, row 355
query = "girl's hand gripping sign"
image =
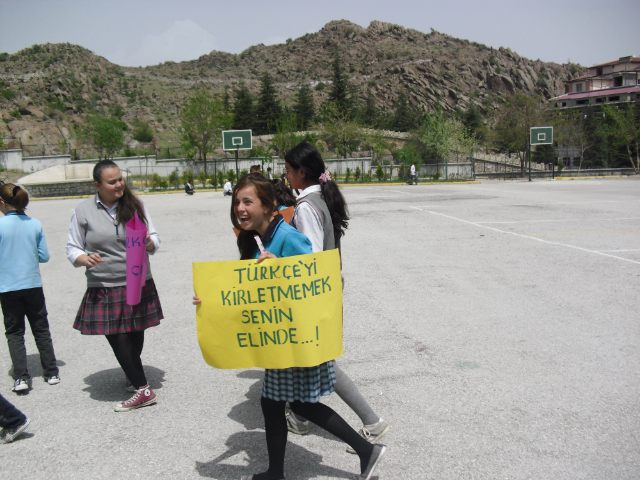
column 280, row 313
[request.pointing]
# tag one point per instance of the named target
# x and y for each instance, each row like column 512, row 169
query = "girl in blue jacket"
column 253, row 204
column 22, row 248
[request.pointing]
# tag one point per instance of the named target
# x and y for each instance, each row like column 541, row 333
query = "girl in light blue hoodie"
column 22, row 248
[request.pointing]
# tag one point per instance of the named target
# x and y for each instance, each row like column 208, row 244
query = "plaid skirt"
column 305, row 384
column 104, row 311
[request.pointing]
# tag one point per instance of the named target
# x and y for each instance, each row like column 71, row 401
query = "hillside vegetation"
column 48, row 91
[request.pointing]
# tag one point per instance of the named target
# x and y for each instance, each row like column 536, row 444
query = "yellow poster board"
column 280, row 313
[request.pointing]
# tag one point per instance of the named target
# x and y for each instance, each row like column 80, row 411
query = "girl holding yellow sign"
column 262, row 236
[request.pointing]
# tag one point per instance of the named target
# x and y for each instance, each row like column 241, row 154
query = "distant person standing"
column 227, row 190
column 414, row 177
column 256, row 169
column 22, row 248
column 12, row 421
column 269, row 174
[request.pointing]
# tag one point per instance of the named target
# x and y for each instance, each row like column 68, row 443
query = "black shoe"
column 8, row 435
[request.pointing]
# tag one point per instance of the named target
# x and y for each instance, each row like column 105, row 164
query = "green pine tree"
column 404, row 117
column 268, row 109
column 339, row 94
column 304, row 108
column 369, row 115
column 243, row 110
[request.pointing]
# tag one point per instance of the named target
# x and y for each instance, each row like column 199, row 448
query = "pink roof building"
column 612, row 82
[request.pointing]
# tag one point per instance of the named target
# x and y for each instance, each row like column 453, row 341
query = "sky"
column 141, row 33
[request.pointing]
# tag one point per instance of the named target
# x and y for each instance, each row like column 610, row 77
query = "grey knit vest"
column 101, row 238
column 320, row 206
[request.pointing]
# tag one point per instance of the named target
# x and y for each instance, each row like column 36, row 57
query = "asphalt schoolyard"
column 493, row 325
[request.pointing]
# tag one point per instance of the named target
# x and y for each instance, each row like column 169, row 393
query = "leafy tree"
column 268, row 109
column 304, row 107
column 142, row 131
column 544, row 154
column 446, row 137
column 404, row 117
column 286, row 136
column 243, row 109
column 512, row 123
column 203, row 119
column 370, row 115
column 625, row 129
column 106, row 134
column 474, row 123
column 571, row 130
column 339, row 130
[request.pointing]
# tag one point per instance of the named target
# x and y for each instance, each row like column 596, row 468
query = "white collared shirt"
column 76, row 239
column 307, row 220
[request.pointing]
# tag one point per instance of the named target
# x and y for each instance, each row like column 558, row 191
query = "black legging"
column 275, row 425
column 128, row 347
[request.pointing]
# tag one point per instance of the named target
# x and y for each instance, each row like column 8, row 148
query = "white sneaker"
column 382, row 427
column 52, row 380
column 20, row 385
column 296, row 426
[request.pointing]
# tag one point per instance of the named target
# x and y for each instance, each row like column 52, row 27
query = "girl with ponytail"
column 321, row 214
column 96, row 241
column 22, row 248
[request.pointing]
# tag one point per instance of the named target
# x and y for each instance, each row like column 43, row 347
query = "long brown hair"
column 308, row 158
column 129, row 203
column 15, row 196
column 267, row 195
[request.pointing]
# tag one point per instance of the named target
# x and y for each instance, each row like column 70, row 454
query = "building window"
column 599, row 71
column 600, row 100
column 614, row 99
column 578, row 87
column 564, row 104
column 617, row 82
column 583, row 102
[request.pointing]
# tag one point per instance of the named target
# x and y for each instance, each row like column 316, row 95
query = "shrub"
column 320, row 86
column 231, row 175
column 379, row 173
column 347, row 175
column 244, row 172
column 155, row 181
column 356, row 174
column 220, row 177
column 202, row 178
column 436, row 176
column 367, row 177
column 8, row 94
column 164, row 184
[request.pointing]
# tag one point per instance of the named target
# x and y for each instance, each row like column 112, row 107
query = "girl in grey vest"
column 97, row 241
column 321, row 214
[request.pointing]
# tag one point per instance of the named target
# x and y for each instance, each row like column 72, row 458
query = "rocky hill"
column 47, row 90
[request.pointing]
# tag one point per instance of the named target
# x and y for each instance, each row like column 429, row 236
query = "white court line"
column 530, row 238
column 566, row 220
column 418, row 194
column 524, row 204
column 619, row 250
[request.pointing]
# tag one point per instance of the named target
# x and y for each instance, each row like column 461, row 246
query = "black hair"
column 284, row 194
column 129, row 203
column 15, row 196
column 308, row 158
column 267, row 195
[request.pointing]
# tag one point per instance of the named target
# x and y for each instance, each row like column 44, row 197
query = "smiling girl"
column 97, row 242
column 252, row 208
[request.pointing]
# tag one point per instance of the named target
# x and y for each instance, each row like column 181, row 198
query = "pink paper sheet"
column 136, row 232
